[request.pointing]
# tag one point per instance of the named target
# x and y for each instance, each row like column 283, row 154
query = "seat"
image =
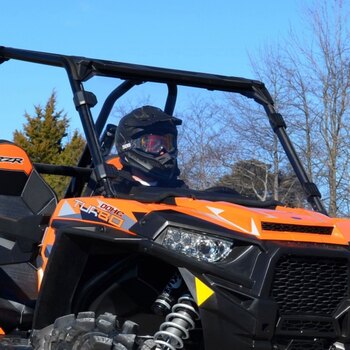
column 26, row 204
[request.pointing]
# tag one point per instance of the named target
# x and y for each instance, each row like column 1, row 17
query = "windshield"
column 225, row 140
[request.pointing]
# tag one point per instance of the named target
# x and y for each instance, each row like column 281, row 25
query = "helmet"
column 146, row 139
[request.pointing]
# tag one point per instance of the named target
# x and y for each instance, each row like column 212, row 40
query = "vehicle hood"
column 280, row 223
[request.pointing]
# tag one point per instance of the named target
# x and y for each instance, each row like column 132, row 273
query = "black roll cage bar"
column 81, row 69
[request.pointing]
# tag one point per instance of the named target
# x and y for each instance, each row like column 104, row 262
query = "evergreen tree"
column 43, row 138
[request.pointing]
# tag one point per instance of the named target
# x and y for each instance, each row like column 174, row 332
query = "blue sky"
column 197, row 35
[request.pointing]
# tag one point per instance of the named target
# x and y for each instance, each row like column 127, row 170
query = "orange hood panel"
column 281, row 224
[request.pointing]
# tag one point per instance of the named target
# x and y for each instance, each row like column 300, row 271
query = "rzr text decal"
column 6, row 159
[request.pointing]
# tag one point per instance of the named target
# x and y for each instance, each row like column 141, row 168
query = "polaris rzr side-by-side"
column 157, row 267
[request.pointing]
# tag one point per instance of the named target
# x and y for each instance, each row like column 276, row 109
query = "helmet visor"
column 153, row 143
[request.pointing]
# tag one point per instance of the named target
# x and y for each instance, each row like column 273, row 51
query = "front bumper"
column 299, row 299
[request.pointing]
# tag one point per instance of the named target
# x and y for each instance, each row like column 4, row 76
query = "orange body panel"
column 119, row 214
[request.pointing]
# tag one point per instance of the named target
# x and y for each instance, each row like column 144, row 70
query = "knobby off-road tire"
column 85, row 332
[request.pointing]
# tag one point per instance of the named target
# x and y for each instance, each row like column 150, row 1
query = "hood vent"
column 318, row 230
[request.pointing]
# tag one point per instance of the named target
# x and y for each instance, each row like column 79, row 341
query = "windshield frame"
column 81, row 69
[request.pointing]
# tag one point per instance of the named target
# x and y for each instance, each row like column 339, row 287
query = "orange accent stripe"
column 116, row 162
column 40, row 277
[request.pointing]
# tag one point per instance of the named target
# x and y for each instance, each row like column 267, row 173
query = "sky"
column 196, row 35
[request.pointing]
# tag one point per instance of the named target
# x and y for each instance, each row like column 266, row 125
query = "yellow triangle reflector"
column 203, row 291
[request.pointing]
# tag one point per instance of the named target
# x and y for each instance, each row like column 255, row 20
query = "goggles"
column 152, row 143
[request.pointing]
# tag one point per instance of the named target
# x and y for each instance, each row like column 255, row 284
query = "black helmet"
column 146, row 139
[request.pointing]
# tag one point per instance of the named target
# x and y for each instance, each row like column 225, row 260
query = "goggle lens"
column 152, row 143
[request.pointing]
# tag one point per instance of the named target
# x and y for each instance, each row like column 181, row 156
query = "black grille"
column 309, row 285
column 320, row 230
column 304, row 326
column 317, row 344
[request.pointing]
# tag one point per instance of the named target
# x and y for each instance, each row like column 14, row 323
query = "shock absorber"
column 165, row 301
column 177, row 324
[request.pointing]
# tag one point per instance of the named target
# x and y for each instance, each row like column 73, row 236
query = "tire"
column 85, row 332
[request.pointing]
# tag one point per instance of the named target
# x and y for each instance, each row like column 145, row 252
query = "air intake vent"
column 320, row 230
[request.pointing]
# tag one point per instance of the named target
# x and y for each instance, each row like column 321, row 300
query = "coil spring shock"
column 177, row 324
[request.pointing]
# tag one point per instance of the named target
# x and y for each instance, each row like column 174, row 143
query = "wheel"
column 86, row 332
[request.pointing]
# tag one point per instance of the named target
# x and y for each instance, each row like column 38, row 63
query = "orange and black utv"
column 161, row 268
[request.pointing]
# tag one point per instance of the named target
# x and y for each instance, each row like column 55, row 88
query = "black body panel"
column 265, row 295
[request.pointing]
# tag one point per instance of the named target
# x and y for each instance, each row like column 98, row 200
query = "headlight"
column 197, row 245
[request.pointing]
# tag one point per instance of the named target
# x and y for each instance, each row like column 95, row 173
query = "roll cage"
column 81, row 69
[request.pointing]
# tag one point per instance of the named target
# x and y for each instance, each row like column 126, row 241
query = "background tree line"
column 227, row 141
column 309, row 79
